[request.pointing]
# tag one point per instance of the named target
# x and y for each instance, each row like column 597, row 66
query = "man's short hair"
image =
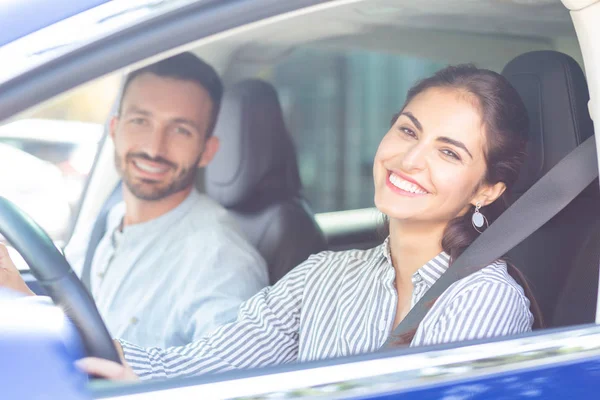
column 186, row 67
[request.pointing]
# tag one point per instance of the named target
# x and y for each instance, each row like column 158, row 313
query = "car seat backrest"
column 576, row 303
column 255, row 175
column 554, row 90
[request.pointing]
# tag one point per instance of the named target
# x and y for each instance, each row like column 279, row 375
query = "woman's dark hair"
column 506, row 124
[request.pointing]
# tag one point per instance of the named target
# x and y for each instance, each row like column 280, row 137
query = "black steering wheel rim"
column 52, row 271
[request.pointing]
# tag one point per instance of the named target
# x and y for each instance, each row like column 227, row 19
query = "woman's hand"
column 108, row 369
column 9, row 274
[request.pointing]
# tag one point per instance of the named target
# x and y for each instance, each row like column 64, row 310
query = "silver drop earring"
column 478, row 219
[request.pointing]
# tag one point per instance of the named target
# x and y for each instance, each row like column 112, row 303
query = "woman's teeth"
column 405, row 185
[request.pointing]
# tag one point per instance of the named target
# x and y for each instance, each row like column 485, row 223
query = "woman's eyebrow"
column 414, row 120
column 445, row 139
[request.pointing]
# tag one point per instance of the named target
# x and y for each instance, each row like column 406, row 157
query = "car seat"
column 554, row 90
column 255, row 176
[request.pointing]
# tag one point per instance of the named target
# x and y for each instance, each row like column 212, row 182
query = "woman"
column 442, row 170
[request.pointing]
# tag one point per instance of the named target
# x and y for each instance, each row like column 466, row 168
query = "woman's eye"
column 451, row 154
column 408, row 132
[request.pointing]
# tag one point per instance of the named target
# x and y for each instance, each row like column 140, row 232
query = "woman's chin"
column 401, row 213
column 402, row 208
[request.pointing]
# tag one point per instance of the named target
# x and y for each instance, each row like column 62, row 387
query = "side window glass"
column 50, row 151
column 338, row 106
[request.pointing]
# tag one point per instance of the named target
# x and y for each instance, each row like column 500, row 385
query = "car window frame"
column 403, row 371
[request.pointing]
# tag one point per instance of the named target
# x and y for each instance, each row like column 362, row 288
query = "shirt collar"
column 154, row 225
column 433, row 269
column 430, row 272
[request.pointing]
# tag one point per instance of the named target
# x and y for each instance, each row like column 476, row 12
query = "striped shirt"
column 342, row 303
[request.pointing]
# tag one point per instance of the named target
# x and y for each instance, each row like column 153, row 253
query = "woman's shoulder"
column 332, row 262
column 364, row 255
column 487, row 303
column 353, row 258
column 491, row 279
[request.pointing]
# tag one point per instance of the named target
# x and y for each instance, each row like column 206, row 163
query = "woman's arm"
column 265, row 333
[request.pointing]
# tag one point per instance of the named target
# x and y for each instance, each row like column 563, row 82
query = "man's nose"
column 156, row 143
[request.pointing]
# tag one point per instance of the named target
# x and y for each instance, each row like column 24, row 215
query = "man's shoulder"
column 206, row 215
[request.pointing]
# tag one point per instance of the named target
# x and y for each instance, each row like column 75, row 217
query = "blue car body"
column 42, row 350
column 37, row 337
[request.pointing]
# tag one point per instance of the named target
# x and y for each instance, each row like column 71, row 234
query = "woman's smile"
column 404, row 186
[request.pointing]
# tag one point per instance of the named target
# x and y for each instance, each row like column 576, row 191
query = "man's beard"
column 149, row 190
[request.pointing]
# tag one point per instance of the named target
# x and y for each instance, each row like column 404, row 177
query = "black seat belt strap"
column 553, row 192
column 97, row 234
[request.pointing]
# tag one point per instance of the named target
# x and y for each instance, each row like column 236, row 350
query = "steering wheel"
column 55, row 275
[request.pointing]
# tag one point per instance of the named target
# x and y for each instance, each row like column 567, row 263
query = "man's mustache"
column 146, row 157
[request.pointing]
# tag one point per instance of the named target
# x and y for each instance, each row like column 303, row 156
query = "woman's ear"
column 487, row 194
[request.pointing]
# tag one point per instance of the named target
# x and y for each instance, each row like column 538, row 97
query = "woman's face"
column 430, row 166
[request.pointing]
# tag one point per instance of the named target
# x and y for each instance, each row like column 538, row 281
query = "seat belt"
column 546, row 198
column 97, row 234
column 99, row 228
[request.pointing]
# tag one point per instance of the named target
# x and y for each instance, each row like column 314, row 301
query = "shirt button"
column 418, row 278
column 101, row 275
column 382, row 325
column 133, row 320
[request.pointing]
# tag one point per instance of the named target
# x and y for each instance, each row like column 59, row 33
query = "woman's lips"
column 404, row 186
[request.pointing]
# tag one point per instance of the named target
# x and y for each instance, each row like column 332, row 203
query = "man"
column 172, row 265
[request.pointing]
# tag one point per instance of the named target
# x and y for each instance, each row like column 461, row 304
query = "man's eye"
column 138, row 121
column 183, row 131
column 451, row 154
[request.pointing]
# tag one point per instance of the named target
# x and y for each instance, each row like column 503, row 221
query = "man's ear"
column 487, row 194
column 210, row 149
column 112, row 126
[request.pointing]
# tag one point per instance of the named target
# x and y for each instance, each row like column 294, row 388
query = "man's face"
column 160, row 135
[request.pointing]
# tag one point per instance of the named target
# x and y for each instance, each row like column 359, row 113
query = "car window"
column 338, row 119
column 338, row 104
column 50, row 152
column 338, row 97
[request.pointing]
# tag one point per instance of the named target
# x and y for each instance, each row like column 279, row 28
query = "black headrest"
column 555, row 93
column 256, row 162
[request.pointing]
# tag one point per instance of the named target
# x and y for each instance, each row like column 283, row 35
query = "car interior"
column 262, row 168
column 255, row 175
column 555, row 93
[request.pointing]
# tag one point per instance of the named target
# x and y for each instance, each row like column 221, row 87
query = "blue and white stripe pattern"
column 342, row 303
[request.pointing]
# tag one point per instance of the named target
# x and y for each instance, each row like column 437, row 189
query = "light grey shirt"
column 172, row 280
column 342, row 303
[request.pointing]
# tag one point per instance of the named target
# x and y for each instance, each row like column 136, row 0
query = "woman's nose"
column 415, row 158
